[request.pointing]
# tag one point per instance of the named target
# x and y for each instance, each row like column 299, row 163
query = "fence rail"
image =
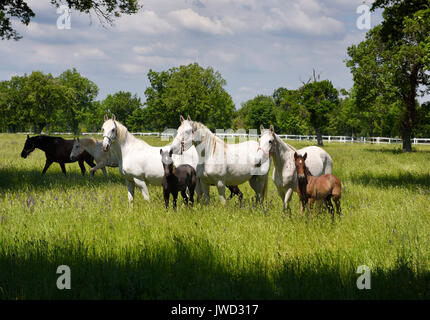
column 340, row 139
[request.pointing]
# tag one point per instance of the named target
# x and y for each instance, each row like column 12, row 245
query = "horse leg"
column 82, row 166
column 337, row 204
column 330, row 208
column 63, row 168
column 47, row 164
column 166, row 195
column 191, row 190
column 257, row 184
column 221, row 191
column 130, row 188
column 185, row 196
column 99, row 165
column 143, row 188
column 287, row 199
column 205, row 191
column 90, row 162
column 198, row 189
column 104, row 172
column 310, row 205
column 175, row 198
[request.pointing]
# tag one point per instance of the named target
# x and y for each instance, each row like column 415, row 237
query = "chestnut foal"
column 177, row 179
column 311, row 189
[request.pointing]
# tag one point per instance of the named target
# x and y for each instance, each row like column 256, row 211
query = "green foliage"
column 258, row 111
column 77, row 103
column 389, row 66
column 187, row 90
column 291, row 116
column 39, row 101
column 319, row 98
column 122, row 104
column 105, row 10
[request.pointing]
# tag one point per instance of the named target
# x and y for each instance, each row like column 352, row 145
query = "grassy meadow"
column 116, row 251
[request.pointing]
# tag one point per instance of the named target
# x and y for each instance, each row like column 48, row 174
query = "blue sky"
column 256, row 45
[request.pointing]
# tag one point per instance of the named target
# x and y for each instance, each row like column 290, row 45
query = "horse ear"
column 113, row 117
column 304, row 157
column 295, row 155
column 106, row 117
column 181, row 118
column 272, row 129
column 161, row 151
column 170, row 153
column 28, row 137
column 261, row 128
column 188, row 118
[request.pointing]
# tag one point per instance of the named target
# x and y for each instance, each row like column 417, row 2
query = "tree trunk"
column 319, row 137
column 409, row 116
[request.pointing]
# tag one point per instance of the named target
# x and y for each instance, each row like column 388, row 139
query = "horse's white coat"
column 95, row 148
column 221, row 164
column 284, row 175
column 139, row 162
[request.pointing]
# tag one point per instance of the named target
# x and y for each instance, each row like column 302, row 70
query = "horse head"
column 29, row 147
column 110, row 132
column 184, row 136
column 76, row 150
column 167, row 161
column 266, row 145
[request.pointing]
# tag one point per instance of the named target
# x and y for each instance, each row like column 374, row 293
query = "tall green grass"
column 214, row 252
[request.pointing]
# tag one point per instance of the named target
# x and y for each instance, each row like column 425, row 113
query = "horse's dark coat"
column 56, row 150
column 177, row 179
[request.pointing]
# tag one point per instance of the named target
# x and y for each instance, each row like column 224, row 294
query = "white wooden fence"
column 340, row 139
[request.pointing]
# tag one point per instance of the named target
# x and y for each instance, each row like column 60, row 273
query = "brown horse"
column 56, row 150
column 322, row 188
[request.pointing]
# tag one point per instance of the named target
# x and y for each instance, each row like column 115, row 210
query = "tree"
column 122, row 105
column 187, row 90
column 78, row 98
column 105, row 10
column 257, row 111
column 319, row 98
column 291, row 116
column 393, row 60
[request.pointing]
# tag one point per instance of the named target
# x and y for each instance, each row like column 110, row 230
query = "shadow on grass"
column 13, row 180
column 394, row 150
column 404, row 179
column 188, row 268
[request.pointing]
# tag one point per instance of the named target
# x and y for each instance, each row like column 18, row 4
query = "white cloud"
column 191, row 20
column 146, row 22
column 296, row 19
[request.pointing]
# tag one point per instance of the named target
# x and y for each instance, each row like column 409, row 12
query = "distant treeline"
column 68, row 102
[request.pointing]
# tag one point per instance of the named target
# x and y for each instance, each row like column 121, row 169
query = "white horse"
column 284, row 175
column 139, row 162
column 95, row 148
column 221, row 164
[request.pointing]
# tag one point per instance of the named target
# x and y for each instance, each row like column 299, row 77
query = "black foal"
column 177, row 179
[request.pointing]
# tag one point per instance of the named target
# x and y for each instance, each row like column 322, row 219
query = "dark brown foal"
column 177, row 179
column 323, row 188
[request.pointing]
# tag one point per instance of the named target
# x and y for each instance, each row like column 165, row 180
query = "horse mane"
column 215, row 139
column 122, row 132
column 283, row 143
column 307, row 172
